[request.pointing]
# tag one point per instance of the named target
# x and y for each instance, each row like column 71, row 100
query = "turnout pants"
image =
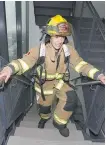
column 67, row 100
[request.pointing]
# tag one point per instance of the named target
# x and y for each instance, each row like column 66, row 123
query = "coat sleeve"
column 22, row 65
column 82, row 66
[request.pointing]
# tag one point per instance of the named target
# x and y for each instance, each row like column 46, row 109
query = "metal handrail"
column 100, row 26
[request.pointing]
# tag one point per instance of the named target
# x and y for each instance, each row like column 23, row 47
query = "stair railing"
column 96, row 20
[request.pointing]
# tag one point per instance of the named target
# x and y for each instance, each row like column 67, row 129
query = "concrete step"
column 47, row 134
column 32, row 115
column 32, row 118
column 16, row 140
column 49, row 125
column 27, row 118
column 97, row 50
column 89, row 54
column 94, row 38
column 88, row 31
column 97, row 143
column 33, row 110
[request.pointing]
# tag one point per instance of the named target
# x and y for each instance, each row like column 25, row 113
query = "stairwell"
column 91, row 46
column 94, row 48
column 28, row 133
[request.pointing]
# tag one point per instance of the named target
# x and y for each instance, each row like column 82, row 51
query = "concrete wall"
column 99, row 6
column 34, row 31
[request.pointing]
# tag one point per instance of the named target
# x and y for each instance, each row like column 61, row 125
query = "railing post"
column 19, row 28
column 82, row 9
column 91, row 33
column 27, row 26
column 3, row 32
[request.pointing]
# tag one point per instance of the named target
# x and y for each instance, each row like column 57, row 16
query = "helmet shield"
column 62, row 29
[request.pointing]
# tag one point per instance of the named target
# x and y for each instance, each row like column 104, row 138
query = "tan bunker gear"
column 54, row 86
column 52, row 70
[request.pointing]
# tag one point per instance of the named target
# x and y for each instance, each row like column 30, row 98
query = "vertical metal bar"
column 73, row 8
column 91, row 33
column 19, row 28
column 3, row 32
column 27, row 26
column 79, row 24
column 82, row 9
column 69, row 13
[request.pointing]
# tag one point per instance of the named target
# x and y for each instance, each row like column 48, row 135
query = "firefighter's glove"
column 5, row 74
column 101, row 77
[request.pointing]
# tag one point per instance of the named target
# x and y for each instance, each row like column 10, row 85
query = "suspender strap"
column 41, row 84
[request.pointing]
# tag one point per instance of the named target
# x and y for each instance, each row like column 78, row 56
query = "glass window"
column 23, row 11
column 11, row 29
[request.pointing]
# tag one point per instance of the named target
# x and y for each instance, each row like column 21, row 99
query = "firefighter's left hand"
column 102, row 78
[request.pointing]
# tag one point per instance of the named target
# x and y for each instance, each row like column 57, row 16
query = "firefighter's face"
column 57, row 41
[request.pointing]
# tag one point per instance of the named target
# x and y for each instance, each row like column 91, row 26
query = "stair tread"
column 97, row 50
column 93, row 42
column 17, row 140
column 31, row 120
column 33, row 124
column 50, row 134
column 98, row 143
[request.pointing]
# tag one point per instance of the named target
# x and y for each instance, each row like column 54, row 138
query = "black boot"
column 64, row 131
column 42, row 122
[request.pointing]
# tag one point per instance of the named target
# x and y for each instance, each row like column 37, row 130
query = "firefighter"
column 53, row 59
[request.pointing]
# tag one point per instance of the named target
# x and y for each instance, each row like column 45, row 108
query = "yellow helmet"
column 57, row 25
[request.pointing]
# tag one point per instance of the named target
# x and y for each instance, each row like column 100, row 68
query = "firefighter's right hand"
column 5, row 74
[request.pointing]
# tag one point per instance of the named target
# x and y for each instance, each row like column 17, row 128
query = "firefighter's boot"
column 64, row 131
column 42, row 122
